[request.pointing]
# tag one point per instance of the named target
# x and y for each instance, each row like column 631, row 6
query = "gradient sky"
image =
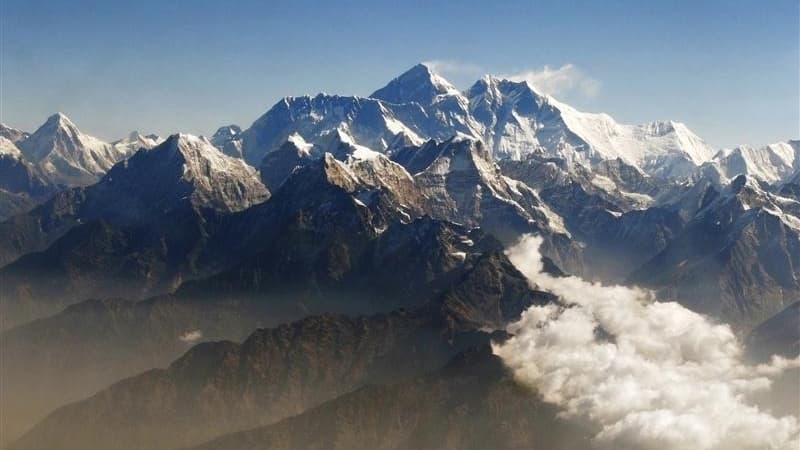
column 729, row 69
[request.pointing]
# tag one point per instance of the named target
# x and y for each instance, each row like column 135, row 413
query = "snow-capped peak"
column 510, row 117
column 67, row 155
column 420, row 84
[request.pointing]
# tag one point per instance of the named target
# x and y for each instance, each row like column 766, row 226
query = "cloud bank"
column 567, row 78
column 191, row 337
column 651, row 375
column 452, row 67
column 547, row 80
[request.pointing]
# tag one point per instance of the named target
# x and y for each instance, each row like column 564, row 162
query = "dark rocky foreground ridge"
column 471, row 403
column 70, row 355
column 221, row 387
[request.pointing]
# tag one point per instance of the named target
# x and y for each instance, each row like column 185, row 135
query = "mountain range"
column 318, row 276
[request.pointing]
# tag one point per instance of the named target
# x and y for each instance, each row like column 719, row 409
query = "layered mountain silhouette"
column 335, row 274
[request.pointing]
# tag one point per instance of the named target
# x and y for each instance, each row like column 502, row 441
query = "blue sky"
column 729, row 69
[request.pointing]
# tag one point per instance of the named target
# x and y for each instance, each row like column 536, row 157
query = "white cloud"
column 651, row 375
column 190, row 337
column 449, row 67
column 565, row 79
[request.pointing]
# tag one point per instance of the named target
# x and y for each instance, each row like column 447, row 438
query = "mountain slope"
column 617, row 235
column 778, row 335
column 184, row 169
column 124, row 235
column 736, row 259
column 22, row 185
column 460, row 182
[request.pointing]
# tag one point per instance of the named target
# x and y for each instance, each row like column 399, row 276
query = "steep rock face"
column 184, row 166
column 461, row 183
column 470, row 404
column 618, row 236
column 455, row 180
column 737, row 259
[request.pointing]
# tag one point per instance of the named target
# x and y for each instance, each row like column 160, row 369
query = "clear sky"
column 729, row 69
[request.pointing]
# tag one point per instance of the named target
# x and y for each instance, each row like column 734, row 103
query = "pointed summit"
column 66, row 155
column 59, row 119
column 419, row 84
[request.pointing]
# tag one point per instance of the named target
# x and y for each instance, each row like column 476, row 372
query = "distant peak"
column 419, row 84
column 228, row 130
